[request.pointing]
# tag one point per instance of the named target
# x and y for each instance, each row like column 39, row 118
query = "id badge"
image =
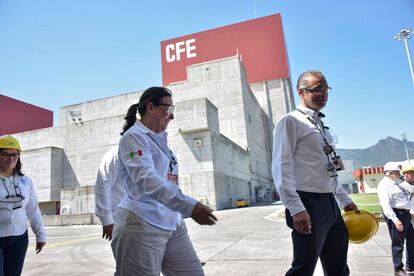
column 172, row 178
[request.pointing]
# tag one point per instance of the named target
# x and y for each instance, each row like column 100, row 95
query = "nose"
column 171, row 116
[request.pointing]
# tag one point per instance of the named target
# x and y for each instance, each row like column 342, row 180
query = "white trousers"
column 141, row 249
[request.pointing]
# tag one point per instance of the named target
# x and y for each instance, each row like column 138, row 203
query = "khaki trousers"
column 142, row 249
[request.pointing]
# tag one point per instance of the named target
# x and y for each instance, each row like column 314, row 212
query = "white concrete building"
column 222, row 136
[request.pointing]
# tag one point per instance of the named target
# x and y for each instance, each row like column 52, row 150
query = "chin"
column 321, row 105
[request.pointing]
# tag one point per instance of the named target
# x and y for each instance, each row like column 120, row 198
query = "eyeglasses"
column 6, row 155
column 170, row 109
column 319, row 90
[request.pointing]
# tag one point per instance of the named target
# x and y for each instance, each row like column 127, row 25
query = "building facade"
column 221, row 134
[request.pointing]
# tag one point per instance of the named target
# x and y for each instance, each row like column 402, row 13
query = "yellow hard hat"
column 9, row 142
column 361, row 226
column 407, row 170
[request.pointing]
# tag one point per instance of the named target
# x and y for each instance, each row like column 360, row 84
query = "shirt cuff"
column 41, row 238
column 394, row 219
column 296, row 209
column 106, row 220
column 345, row 203
column 187, row 209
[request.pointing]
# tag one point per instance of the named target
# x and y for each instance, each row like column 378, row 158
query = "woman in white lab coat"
column 150, row 234
column 18, row 204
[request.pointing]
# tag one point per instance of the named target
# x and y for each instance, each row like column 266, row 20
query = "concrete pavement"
column 247, row 241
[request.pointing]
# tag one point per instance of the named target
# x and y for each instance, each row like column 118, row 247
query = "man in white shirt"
column 408, row 184
column 304, row 171
column 108, row 191
column 396, row 204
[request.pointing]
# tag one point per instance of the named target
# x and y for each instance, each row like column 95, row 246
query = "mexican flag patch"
column 136, row 153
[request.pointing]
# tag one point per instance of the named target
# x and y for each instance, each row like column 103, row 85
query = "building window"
column 197, row 143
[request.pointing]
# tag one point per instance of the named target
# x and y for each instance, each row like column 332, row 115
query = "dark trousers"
column 327, row 241
column 12, row 252
column 398, row 238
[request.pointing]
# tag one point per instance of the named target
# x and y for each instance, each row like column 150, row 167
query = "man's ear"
column 301, row 92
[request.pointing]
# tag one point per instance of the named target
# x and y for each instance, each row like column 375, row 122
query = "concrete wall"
column 276, row 99
column 45, row 167
column 93, row 110
column 84, row 145
column 79, row 219
column 210, row 163
column 230, row 189
column 258, row 142
column 49, row 207
column 78, row 200
column 220, row 83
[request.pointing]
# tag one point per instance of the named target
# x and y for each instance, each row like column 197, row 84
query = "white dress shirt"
column 150, row 180
column 14, row 214
column 299, row 162
column 391, row 196
column 108, row 188
column 410, row 188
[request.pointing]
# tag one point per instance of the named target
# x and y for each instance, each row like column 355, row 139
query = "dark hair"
column 303, row 78
column 153, row 94
column 18, row 169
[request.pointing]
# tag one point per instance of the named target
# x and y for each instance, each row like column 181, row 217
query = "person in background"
column 108, row 191
column 408, row 184
column 304, row 169
column 396, row 204
column 150, row 235
column 18, row 203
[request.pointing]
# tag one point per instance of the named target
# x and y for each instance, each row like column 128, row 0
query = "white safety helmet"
column 391, row 166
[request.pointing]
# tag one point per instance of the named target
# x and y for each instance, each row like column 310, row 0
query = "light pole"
column 405, row 34
column 404, row 138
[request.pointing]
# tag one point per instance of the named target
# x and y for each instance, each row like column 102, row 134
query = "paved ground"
column 249, row 241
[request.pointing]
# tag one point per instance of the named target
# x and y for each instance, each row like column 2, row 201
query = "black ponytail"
column 153, row 94
column 130, row 118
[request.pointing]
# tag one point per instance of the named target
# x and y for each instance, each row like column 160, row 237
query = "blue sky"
column 57, row 53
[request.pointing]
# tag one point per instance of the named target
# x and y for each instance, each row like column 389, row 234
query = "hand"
column 203, row 214
column 107, row 231
column 39, row 246
column 351, row 207
column 302, row 222
column 399, row 225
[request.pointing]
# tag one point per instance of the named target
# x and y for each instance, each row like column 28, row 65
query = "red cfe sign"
column 174, row 51
column 260, row 42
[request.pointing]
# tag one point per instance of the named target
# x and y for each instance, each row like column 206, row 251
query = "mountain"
column 388, row 149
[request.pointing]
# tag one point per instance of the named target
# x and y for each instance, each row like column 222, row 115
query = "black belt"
column 401, row 210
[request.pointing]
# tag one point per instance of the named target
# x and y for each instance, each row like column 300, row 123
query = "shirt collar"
column 141, row 127
column 309, row 112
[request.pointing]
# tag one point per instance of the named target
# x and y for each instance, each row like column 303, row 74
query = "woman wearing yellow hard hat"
column 18, row 203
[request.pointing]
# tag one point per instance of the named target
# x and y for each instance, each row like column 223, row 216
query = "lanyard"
column 17, row 193
column 327, row 147
column 170, row 156
column 405, row 192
